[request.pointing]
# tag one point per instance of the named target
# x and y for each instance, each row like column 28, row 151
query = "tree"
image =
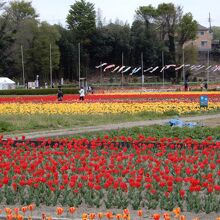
column 100, row 22
column 68, row 54
column 81, row 20
column 144, row 40
column 173, row 28
column 21, row 10
column 39, row 54
column 187, row 29
column 21, row 23
column 216, row 33
column 146, row 14
column 6, row 40
column 191, row 54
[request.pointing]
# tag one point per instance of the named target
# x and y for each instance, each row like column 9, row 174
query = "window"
column 201, row 32
column 204, row 43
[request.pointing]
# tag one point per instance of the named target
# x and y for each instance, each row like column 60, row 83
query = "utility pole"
column 51, row 71
column 163, row 66
column 79, row 61
column 142, row 70
column 208, row 60
column 208, row 63
column 210, row 24
column 183, row 64
column 122, row 64
column 100, row 72
column 22, row 63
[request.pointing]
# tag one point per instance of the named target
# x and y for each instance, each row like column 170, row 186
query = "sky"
column 55, row 11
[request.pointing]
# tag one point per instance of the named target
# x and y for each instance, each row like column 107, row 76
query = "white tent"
column 6, row 83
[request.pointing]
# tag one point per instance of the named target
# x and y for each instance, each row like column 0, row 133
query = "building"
column 204, row 39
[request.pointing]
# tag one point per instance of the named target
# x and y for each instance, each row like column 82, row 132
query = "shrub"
column 48, row 91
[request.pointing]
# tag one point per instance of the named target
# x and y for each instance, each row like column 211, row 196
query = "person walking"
column 206, row 85
column 60, row 95
column 82, row 94
column 186, row 85
column 201, row 86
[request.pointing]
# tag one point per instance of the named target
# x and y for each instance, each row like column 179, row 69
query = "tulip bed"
column 131, row 103
column 102, row 108
column 119, row 172
column 118, row 97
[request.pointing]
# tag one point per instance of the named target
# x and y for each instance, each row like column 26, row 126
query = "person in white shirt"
column 81, row 94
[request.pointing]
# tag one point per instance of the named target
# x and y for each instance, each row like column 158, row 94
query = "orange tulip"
column 9, row 217
column 118, row 216
column 84, row 215
column 24, row 209
column 16, row 210
column 49, row 218
column 196, row 218
column 156, row 216
column 140, row 213
column 59, row 210
column 43, row 216
column 166, row 216
column 20, row 217
column 218, row 218
column 176, row 211
column 100, row 215
column 109, row 215
column 91, row 215
column 126, row 211
column 183, row 217
column 29, row 218
column 72, row 210
column 125, row 216
column 8, row 210
column 0, row 211
column 31, row 207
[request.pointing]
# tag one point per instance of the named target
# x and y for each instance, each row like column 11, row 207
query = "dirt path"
column 207, row 120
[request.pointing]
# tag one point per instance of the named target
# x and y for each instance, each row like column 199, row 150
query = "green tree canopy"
column 39, row 54
column 20, row 10
column 187, row 29
column 82, row 20
column 173, row 28
column 216, row 33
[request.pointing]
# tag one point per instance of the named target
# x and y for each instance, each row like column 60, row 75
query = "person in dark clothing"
column 206, row 85
column 60, row 95
column 186, row 85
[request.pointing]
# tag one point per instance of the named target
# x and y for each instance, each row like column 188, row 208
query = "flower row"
column 150, row 96
column 136, row 173
column 20, row 213
column 99, row 108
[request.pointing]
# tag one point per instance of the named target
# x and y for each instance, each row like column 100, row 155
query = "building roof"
column 202, row 28
column 6, row 80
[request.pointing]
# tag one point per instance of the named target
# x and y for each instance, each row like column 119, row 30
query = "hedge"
column 37, row 91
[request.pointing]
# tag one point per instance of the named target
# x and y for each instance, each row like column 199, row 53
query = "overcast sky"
column 55, row 11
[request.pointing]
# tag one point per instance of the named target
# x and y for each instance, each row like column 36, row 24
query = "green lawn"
column 158, row 131
column 25, row 123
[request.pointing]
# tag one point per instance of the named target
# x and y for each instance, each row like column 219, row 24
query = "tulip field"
column 161, row 103
column 115, row 173
column 124, row 172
